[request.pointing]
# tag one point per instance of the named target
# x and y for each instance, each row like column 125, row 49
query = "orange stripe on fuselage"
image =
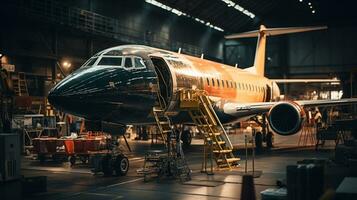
column 253, row 93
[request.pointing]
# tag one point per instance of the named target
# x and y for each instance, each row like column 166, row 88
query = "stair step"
column 229, row 160
column 164, row 123
column 166, row 131
column 219, row 142
column 206, row 125
column 223, row 151
column 158, row 110
column 216, row 134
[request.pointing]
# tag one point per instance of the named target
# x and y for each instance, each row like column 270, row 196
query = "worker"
column 318, row 118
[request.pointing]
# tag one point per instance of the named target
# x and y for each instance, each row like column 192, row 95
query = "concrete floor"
column 65, row 182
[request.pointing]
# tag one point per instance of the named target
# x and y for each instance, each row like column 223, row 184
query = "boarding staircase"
column 199, row 107
column 20, row 84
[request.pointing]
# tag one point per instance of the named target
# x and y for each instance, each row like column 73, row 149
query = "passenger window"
column 207, row 81
column 217, row 83
column 227, row 84
column 231, row 84
column 128, row 63
column 201, row 81
column 139, row 63
column 212, row 82
column 110, row 61
column 235, row 84
column 222, row 83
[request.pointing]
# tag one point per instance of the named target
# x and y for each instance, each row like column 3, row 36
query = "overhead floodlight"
column 239, row 8
column 313, row 11
column 180, row 13
column 309, row 3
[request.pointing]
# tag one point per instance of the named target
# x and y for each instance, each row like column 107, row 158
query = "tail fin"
column 259, row 61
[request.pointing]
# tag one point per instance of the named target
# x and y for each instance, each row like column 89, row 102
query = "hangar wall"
column 39, row 35
column 333, row 49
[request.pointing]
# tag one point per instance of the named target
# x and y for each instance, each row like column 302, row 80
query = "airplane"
column 121, row 84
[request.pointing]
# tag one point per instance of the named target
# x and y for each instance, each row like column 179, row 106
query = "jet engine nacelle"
column 286, row 118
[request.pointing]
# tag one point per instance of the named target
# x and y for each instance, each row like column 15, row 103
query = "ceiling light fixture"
column 180, row 13
column 239, row 8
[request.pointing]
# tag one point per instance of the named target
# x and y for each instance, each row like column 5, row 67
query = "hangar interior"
column 179, row 143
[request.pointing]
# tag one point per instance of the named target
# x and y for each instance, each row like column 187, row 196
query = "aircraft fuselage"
column 121, row 85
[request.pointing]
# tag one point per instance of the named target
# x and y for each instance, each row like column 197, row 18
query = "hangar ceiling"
column 271, row 13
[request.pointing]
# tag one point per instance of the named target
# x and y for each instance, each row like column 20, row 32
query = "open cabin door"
column 164, row 81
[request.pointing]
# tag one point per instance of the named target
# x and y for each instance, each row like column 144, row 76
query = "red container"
column 69, row 146
column 79, row 146
column 45, row 145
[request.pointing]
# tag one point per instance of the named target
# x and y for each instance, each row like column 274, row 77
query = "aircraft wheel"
column 269, row 139
column 121, row 165
column 106, row 165
column 84, row 159
column 72, row 160
column 258, row 140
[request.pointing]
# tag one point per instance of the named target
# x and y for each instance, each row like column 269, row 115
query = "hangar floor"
column 65, row 182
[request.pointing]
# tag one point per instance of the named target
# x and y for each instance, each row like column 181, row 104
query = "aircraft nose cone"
column 57, row 99
column 65, row 96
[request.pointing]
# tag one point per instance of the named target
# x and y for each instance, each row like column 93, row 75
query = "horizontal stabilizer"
column 274, row 31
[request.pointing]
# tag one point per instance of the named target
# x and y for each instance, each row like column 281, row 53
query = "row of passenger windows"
column 232, row 84
column 127, row 62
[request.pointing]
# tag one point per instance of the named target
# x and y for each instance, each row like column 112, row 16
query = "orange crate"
column 69, row 146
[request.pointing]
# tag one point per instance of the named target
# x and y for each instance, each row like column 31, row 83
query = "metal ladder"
column 175, row 163
column 163, row 123
column 200, row 109
column 20, row 84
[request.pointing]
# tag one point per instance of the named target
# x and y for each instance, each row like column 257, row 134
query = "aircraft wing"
column 306, row 80
column 247, row 109
column 323, row 103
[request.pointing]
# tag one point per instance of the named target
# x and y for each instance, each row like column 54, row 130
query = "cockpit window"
column 111, row 61
column 90, row 62
column 139, row 63
column 128, row 63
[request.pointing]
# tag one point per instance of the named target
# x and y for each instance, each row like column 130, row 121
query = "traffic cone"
column 248, row 190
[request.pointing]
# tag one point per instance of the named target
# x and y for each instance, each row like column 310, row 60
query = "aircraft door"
column 164, row 81
column 267, row 92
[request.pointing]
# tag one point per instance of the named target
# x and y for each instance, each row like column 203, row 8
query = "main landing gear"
column 265, row 135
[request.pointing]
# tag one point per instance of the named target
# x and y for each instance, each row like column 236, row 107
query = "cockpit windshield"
column 111, row 61
column 90, row 62
column 127, row 62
